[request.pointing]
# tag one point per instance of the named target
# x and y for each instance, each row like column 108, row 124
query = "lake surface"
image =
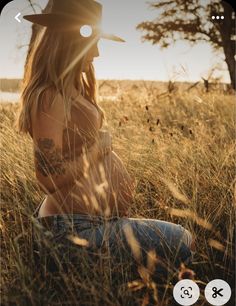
column 12, row 97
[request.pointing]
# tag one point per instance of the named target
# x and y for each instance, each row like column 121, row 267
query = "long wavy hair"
column 56, row 61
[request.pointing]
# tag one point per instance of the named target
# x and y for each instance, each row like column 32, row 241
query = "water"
column 12, row 97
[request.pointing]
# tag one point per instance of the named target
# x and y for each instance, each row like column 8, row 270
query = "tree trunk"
column 35, row 30
column 227, row 29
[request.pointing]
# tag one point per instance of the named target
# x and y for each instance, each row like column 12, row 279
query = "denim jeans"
column 123, row 238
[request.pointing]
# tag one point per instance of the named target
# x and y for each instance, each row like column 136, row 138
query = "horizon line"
column 128, row 79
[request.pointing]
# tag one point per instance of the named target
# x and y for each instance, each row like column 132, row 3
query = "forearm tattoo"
column 48, row 158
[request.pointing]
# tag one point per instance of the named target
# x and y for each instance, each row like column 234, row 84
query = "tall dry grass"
column 180, row 148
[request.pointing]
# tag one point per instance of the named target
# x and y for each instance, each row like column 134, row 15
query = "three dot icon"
column 217, row 17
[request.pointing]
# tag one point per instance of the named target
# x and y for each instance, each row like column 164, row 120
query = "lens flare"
column 86, row 30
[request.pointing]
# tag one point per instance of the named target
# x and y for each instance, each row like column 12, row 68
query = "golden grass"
column 180, row 148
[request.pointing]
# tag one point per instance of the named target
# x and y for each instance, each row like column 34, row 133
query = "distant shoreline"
column 13, row 85
column 9, row 97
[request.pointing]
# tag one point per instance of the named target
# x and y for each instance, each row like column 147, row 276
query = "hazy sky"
column 130, row 60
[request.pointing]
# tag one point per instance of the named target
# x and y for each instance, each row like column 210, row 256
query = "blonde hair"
column 56, row 61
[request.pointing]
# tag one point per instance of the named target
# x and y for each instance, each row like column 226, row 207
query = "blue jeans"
column 123, row 238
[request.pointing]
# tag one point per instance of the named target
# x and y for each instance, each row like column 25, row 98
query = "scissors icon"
column 216, row 292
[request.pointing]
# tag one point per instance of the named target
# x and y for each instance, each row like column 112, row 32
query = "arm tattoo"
column 49, row 160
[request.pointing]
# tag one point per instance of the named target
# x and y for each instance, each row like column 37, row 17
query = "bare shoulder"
column 50, row 101
column 49, row 114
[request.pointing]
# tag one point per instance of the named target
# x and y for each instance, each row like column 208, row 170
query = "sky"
column 130, row 60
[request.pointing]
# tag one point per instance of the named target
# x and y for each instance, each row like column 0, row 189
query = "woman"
column 84, row 180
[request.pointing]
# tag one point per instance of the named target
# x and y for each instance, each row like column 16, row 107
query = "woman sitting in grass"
column 87, row 188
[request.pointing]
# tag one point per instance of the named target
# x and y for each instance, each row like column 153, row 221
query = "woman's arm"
column 53, row 169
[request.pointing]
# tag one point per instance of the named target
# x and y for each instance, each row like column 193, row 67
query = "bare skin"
column 50, row 163
column 83, row 196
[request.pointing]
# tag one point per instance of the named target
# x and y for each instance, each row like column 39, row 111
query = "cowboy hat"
column 71, row 14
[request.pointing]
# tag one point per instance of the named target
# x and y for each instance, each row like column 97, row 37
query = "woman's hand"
column 104, row 141
column 105, row 138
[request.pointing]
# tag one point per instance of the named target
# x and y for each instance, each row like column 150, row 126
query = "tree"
column 192, row 20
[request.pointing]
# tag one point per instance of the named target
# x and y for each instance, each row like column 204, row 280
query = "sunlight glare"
column 86, row 30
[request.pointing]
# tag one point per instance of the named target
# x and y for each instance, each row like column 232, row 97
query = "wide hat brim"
column 62, row 22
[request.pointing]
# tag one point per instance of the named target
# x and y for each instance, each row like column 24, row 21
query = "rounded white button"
column 217, row 292
column 186, row 292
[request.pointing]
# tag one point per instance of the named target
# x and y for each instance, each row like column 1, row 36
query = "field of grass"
column 180, row 148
